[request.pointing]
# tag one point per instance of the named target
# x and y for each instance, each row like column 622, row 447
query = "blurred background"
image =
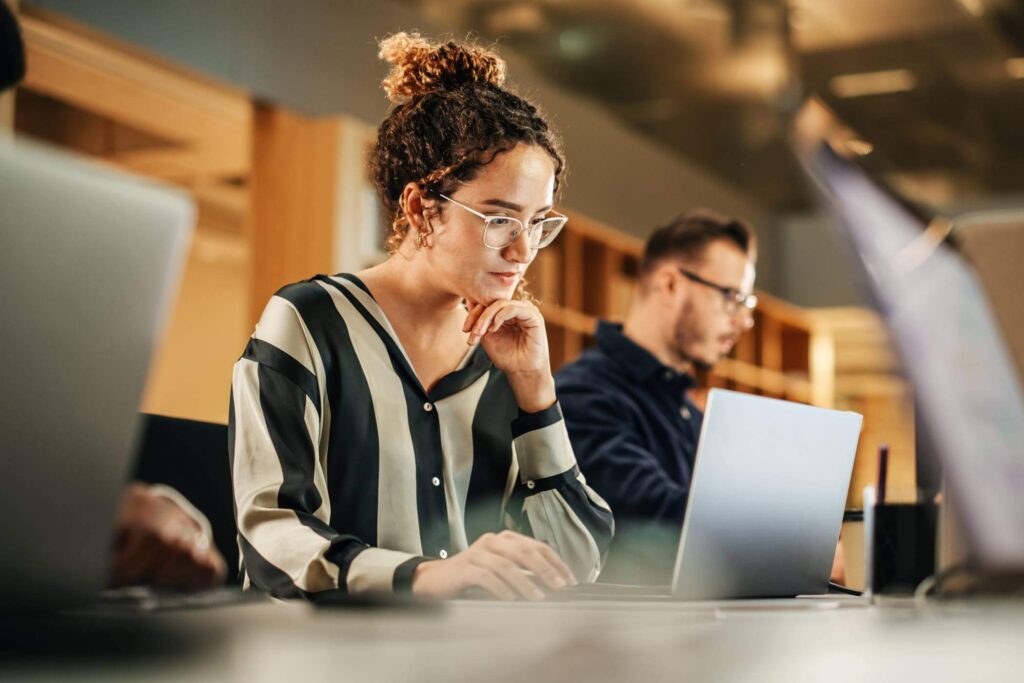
column 263, row 110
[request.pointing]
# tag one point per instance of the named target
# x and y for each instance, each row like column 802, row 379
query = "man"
column 160, row 539
column 633, row 428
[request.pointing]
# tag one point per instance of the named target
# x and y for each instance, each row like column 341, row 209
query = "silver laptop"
column 89, row 261
column 765, row 506
column 766, row 501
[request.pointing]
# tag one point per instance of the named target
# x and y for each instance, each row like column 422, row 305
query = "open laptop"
column 765, row 506
column 968, row 397
column 89, row 263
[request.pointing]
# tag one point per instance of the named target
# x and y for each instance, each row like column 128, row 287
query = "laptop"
column 968, row 398
column 765, row 506
column 90, row 261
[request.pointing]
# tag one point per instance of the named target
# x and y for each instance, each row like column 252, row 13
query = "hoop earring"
column 423, row 236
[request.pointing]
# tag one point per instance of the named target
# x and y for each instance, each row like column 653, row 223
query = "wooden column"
column 293, row 199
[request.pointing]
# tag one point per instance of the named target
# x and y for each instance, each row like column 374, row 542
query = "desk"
column 483, row 641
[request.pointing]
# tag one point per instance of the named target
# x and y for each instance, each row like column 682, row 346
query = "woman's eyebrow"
column 511, row 206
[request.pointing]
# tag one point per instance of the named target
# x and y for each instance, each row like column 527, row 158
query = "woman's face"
column 519, row 183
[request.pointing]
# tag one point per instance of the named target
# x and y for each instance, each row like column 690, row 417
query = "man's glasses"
column 501, row 231
column 733, row 299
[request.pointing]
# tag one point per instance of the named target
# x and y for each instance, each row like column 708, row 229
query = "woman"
column 371, row 448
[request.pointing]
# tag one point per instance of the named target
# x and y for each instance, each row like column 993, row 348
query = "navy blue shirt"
column 634, row 431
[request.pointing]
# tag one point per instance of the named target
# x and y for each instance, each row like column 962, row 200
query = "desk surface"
column 476, row 641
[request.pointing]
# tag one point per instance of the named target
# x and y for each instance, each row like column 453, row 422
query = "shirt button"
column 443, row 554
column 435, row 481
column 669, row 374
column 685, row 412
column 428, row 407
column 530, row 484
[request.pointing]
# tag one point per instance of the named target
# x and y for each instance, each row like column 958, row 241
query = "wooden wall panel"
column 292, row 199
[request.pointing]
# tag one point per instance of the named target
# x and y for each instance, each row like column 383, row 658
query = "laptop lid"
column 968, row 397
column 89, row 263
column 766, row 501
column 993, row 242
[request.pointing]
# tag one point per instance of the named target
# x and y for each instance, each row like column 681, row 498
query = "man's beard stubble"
column 684, row 334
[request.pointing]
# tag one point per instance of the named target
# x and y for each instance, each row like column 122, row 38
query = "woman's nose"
column 520, row 250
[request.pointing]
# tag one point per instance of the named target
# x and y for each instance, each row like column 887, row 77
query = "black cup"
column 903, row 547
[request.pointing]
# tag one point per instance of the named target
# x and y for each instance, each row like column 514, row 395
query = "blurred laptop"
column 90, row 262
column 765, row 506
column 993, row 242
column 968, row 395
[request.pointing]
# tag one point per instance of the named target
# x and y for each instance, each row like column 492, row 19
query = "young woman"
column 397, row 429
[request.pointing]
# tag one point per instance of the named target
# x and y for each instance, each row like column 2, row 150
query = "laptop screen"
column 966, row 387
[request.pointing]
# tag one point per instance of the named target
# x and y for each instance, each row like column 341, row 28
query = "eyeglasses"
column 501, row 231
column 732, row 299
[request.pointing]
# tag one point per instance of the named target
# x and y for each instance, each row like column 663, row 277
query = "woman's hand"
column 499, row 563
column 513, row 335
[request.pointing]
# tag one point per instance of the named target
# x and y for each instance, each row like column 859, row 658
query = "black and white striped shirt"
column 347, row 474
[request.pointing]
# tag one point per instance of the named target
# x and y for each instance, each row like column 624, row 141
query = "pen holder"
column 900, row 544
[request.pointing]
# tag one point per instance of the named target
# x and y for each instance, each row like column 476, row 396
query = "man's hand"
column 839, row 566
column 157, row 543
column 501, row 564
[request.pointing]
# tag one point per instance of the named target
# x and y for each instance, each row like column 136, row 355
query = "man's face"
column 705, row 327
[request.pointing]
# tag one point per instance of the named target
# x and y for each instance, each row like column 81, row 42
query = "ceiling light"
column 1015, row 67
column 873, row 83
column 580, row 42
column 516, row 18
column 975, row 7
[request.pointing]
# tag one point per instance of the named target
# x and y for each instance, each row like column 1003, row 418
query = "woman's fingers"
column 474, row 313
column 533, row 555
column 483, row 321
column 499, row 313
column 489, row 581
column 511, row 313
column 511, row 573
column 555, row 561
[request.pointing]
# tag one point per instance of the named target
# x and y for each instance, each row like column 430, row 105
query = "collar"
column 640, row 362
column 473, row 365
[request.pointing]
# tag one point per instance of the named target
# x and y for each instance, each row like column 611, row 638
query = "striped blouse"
column 347, row 474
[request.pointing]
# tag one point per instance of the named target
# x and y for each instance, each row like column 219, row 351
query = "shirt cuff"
column 402, row 580
column 542, row 444
column 378, row 570
column 528, row 422
column 187, row 507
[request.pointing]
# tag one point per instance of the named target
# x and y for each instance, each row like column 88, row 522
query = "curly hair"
column 451, row 117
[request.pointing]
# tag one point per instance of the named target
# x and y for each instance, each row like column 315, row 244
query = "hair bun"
column 419, row 66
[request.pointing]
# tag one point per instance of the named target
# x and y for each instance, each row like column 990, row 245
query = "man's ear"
column 665, row 283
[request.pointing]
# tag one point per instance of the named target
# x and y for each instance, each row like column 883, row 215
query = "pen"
column 883, row 470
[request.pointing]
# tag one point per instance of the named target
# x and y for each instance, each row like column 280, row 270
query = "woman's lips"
column 507, row 278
